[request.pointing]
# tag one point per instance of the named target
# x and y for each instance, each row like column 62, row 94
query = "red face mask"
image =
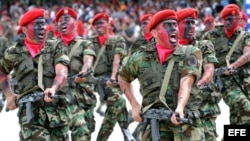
column 187, row 29
column 231, row 24
column 167, row 33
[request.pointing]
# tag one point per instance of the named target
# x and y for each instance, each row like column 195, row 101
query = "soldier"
column 206, row 101
column 209, row 25
column 110, row 50
column 81, row 58
column 164, row 94
column 4, row 43
column 144, row 37
column 41, row 71
column 233, row 53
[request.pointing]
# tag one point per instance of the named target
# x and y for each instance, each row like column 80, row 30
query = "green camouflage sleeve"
column 4, row 44
column 208, row 52
column 131, row 69
column 60, row 57
column 9, row 60
column 192, row 66
column 88, row 48
column 247, row 39
column 120, row 45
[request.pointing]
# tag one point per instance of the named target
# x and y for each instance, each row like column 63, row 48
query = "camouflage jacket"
column 146, row 66
column 18, row 59
column 113, row 45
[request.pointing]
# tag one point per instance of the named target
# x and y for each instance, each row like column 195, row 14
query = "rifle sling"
column 73, row 50
column 234, row 46
column 98, row 57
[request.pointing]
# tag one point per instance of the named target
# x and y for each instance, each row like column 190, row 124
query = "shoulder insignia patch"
column 192, row 61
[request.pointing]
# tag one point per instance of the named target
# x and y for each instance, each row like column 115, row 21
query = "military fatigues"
column 136, row 46
column 79, row 95
column 208, row 106
column 237, row 101
column 145, row 66
column 50, row 119
column 3, row 45
column 116, row 105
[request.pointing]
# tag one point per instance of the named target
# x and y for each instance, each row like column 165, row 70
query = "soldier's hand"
column 79, row 79
column 136, row 114
column 229, row 70
column 11, row 102
column 178, row 113
column 48, row 94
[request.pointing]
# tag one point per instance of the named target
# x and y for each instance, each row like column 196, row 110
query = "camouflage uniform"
column 3, row 45
column 82, row 102
column 145, row 66
column 209, row 108
column 116, row 105
column 136, row 46
column 237, row 101
column 50, row 119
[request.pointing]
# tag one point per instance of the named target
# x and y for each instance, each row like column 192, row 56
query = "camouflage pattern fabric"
column 145, row 66
column 238, row 103
column 209, row 108
column 50, row 119
column 82, row 100
column 116, row 112
column 136, row 46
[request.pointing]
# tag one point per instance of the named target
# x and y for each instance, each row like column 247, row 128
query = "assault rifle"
column 154, row 116
column 81, row 75
column 128, row 135
column 218, row 72
column 29, row 99
column 100, row 82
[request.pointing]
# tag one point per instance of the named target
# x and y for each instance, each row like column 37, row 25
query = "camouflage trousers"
column 208, row 112
column 90, row 119
column 50, row 123
column 209, row 126
column 239, row 105
column 116, row 112
column 170, row 132
column 78, row 127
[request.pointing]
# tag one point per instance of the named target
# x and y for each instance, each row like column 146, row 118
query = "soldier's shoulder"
column 205, row 43
column 13, row 49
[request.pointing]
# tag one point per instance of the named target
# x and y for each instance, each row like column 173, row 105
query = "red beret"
column 230, row 9
column 186, row 12
column 244, row 16
column 100, row 16
column 31, row 15
column 208, row 18
column 145, row 17
column 65, row 10
column 160, row 16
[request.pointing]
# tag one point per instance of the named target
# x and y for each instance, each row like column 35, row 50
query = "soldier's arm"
column 127, row 89
column 243, row 59
column 207, row 75
column 89, row 56
column 116, row 65
column 5, row 85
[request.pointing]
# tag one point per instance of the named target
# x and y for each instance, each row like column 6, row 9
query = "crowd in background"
column 125, row 13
